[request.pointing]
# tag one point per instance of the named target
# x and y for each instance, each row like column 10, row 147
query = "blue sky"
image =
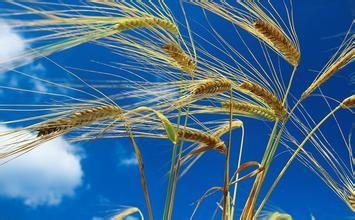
column 92, row 180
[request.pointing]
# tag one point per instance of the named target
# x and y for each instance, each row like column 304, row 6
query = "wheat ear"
column 78, row 119
column 348, row 102
column 125, row 213
column 264, row 94
column 341, row 62
column 131, row 23
column 185, row 63
column 279, row 216
column 278, row 40
column 209, row 141
column 226, row 127
column 352, row 201
column 211, row 87
column 247, row 108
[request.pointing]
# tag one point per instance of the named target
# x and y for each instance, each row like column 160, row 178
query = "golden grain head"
column 132, row 23
column 278, row 40
column 348, row 102
column 249, row 109
column 227, row 127
column 184, row 62
column 264, row 94
column 125, row 213
column 208, row 141
column 78, row 119
column 279, row 216
column 333, row 68
column 212, row 87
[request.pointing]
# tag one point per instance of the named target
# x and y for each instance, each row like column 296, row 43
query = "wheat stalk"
column 181, row 58
column 247, row 108
column 341, row 62
column 79, row 119
column 269, row 98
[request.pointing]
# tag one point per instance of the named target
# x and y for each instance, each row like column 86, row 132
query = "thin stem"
column 226, row 175
column 176, row 170
column 141, row 171
column 270, row 151
column 237, row 175
column 167, row 213
column 289, row 85
column 300, row 147
column 249, row 206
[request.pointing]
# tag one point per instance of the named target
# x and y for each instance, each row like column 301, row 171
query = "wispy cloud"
column 43, row 176
column 126, row 156
column 11, row 44
column 129, row 161
column 12, row 47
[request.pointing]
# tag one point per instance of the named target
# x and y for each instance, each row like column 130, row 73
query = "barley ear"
column 278, row 40
column 125, row 213
column 212, row 87
column 340, row 63
column 348, row 102
column 184, row 62
column 264, row 94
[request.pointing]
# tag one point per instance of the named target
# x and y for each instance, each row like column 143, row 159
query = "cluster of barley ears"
column 173, row 78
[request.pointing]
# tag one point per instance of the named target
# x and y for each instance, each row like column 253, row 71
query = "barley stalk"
column 269, row 98
column 278, row 40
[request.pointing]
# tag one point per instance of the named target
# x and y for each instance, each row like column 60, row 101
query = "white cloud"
column 37, row 69
column 126, row 156
column 43, row 176
column 129, row 161
column 11, row 45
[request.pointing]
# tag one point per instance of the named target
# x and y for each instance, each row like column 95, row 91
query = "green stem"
column 171, row 175
column 249, row 206
column 270, row 151
column 167, row 206
column 176, row 170
column 226, row 175
column 300, row 147
column 237, row 175
column 141, row 171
